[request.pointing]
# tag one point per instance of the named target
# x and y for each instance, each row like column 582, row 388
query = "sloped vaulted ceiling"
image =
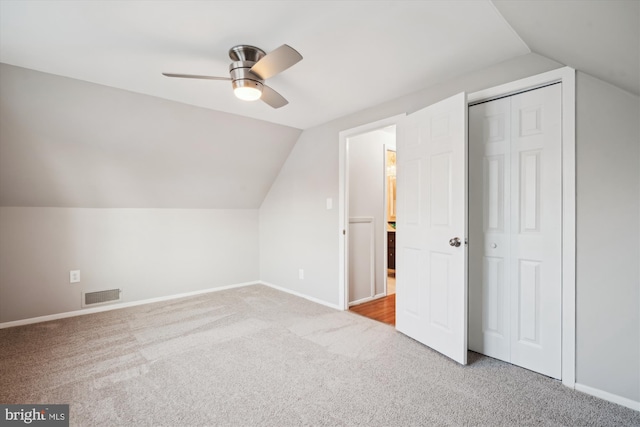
column 601, row 38
column 87, row 119
column 68, row 143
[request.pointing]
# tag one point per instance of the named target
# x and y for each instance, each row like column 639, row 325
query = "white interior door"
column 431, row 300
column 515, row 246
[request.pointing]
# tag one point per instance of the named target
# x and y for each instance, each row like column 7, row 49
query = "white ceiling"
column 356, row 53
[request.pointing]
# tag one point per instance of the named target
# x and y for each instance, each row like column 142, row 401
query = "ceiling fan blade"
column 276, row 61
column 273, row 98
column 193, row 76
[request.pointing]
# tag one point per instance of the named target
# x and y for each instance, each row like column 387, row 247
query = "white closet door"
column 431, row 300
column 490, row 228
column 536, row 230
column 515, row 286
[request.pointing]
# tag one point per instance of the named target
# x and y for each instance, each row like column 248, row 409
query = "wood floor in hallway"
column 382, row 309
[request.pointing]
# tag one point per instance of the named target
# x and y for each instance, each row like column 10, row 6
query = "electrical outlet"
column 74, row 276
column 301, row 274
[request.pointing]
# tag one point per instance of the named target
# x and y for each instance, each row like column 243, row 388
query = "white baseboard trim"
column 298, row 294
column 632, row 404
column 100, row 309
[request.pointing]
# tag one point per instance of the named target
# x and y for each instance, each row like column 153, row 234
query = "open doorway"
column 370, row 221
column 383, row 309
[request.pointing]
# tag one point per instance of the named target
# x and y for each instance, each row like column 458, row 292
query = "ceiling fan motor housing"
column 244, row 57
column 242, row 76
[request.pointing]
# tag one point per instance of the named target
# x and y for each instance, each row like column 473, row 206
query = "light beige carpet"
column 257, row 356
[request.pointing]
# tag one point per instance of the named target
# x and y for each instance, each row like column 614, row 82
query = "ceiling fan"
column 251, row 66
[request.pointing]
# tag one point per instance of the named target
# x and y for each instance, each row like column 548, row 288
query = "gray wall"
column 295, row 228
column 608, row 246
column 151, row 196
column 608, row 285
column 147, row 253
column 297, row 231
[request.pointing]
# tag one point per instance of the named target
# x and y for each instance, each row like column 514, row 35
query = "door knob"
column 455, row 242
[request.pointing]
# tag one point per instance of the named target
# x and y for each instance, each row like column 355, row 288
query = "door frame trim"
column 565, row 75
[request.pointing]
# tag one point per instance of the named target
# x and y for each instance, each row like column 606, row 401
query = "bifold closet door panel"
column 536, row 230
column 489, row 228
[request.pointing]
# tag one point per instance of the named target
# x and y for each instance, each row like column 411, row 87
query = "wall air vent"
column 90, row 299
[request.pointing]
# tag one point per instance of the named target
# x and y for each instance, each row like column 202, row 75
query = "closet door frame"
column 566, row 76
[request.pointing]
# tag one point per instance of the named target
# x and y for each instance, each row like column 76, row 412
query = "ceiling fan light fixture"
column 247, row 90
column 250, row 68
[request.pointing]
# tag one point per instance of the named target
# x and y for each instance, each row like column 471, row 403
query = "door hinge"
column 344, row 232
